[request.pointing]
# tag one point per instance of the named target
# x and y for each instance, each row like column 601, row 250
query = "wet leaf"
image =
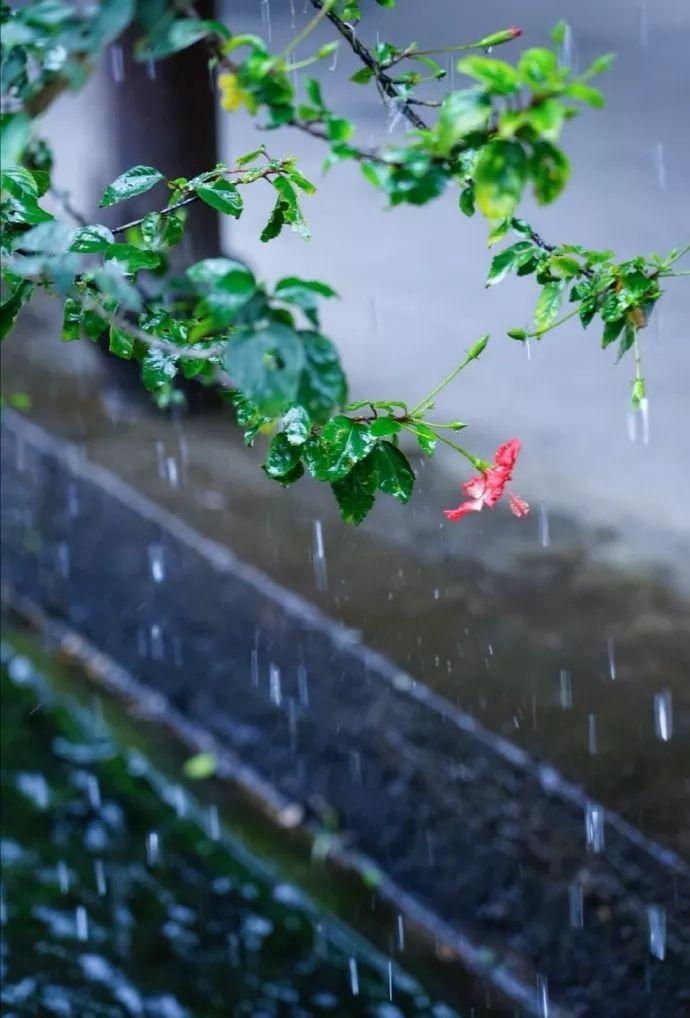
column 134, row 181
column 499, row 178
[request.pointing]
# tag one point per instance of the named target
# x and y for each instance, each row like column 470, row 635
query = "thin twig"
column 252, row 175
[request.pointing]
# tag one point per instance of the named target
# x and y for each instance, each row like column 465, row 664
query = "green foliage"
column 263, row 346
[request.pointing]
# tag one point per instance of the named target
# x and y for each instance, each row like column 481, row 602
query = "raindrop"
column 274, row 684
column 528, row 349
column 302, row 685
column 390, row 980
column 356, row 766
column 179, row 801
column 644, row 24
column 592, row 743
column 72, row 501
column 543, row 995
column 171, row 473
column 644, row 414
column 266, row 17
column 99, row 874
column 354, row 977
column 319, row 557
column 594, row 826
column 156, row 563
column 400, row 930
column 117, row 64
column 631, row 419
column 151, row 69
column 254, row 666
column 611, row 655
column 63, row 876
column 156, row 642
column 659, row 158
column 576, row 906
column 544, row 538
column 334, row 62
column 82, row 923
column 152, row 848
column 63, row 559
column 566, row 690
column 663, row 715
column 292, row 14
column 214, row 823
column 93, row 791
column 656, row 921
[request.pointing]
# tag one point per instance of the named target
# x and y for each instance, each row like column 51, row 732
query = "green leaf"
column 384, row 426
column 548, row 304
column 13, row 305
column 499, row 178
column 426, row 437
column 158, row 369
column 303, row 293
column 612, row 330
column 356, row 492
column 201, row 766
column 134, row 181
column 496, row 75
column 538, row 67
column 71, row 320
column 466, row 200
column 363, row 76
column 291, row 210
column 322, row 385
column 508, row 260
column 132, row 258
column 342, row 443
column 176, row 36
column 296, row 425
column 460, row 113
column 394, row 475
column 92, row 239
column 549, row 168
column 121, row 343
column 160, row 232
column 276, row 222
column 222, row 196
column 282, row 458
column 266, row 366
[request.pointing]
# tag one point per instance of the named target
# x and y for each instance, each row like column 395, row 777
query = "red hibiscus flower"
column 487, row 488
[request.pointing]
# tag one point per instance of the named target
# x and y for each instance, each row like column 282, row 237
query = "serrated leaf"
column 342, row 443
column 132, row 258
column 266, row 366
column 132, row 182
column 461, row 112
column 508, row 259
column 92, row 239
column 384, row 426
column 120, row 343
column 222, row 196
column 356, row 492
column 282, row 457
column 158, row 369
column 296, row 425
column 499, row 178
column 322, row 384
column 497, row 76
column 548, row 304
column 426, row 437
column 394, row 475
column 549, row 168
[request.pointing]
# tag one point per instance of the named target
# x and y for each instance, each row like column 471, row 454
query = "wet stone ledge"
column 510, row 866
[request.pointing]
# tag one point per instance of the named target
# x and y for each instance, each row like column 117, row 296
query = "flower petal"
column 518, row 506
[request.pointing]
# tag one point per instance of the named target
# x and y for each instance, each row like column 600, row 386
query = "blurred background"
column 567, row 631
